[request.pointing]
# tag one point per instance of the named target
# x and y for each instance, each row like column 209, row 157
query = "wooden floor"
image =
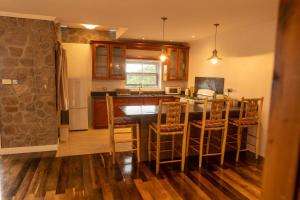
column 44, row 176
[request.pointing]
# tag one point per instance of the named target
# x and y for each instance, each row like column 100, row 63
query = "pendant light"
column 214, row 59
column 163, row 56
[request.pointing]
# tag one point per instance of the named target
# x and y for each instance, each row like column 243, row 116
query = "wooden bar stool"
column 172, row 127
column 122, row 124
column 250, row 113
column 217, row 122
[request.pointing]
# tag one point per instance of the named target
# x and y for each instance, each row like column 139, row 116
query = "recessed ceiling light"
column 89, row 26
column 143, row 38
column 193, row 36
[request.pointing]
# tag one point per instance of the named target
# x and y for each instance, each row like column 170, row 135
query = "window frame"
column 157, row 74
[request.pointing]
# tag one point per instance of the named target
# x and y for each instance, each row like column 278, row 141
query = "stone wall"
column 78, row 35
column 28, row 109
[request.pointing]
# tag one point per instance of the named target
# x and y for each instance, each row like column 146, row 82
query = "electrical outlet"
column 6, row 82
column 14, row 82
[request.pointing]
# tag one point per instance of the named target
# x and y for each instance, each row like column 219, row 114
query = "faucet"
column 140, row 87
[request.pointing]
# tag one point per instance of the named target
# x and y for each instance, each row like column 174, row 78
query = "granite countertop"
column 146, row 110
column 133, row 94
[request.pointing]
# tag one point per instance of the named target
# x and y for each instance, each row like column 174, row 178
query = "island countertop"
column 146, row 110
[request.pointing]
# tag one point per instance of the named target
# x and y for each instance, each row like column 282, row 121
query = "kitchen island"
column 147, row 114
column 99, row 108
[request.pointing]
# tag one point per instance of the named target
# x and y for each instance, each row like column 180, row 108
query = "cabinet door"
column 182, row 64
column 150, row 101
column 172, row 64
column 167, row 99
column 117, row 61
column 100, row 113
column 100, row 61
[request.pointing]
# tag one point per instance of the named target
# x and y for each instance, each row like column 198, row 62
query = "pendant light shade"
column 214, row 59
column 163, row 56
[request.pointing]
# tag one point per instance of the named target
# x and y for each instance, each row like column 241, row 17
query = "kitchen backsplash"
column 113, row 84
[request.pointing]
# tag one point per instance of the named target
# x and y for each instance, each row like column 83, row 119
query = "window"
column 142, row 73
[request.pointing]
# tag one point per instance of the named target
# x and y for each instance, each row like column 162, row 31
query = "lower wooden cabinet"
column 99, row 112
column 100, row 109
column 150, row 100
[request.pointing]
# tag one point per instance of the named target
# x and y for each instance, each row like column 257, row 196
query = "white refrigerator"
column 78, row 113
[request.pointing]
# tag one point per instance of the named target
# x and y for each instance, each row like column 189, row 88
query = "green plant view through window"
column 142, row 73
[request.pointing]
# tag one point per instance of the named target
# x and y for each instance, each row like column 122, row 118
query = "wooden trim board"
column 28, row 149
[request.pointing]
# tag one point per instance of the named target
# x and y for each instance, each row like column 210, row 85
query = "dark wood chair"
column 173, row 126
column 250, row 114
column 213, row 125
column 122, row 124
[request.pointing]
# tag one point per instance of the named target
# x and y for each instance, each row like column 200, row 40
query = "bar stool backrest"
column 251, row 109
column 217, row 106
column 173, row 114
column 110, row 111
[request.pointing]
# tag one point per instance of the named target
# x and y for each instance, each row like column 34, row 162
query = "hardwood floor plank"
column 214, row 192
column 201, row 194
column 42, row 176
column 63, row 177
column 129, row 186
column 75, row 170
column 179, row 184
column 172, row 192
column 53, row 175
column 38, row 182
column 10, row 173
column 107, row 193
column 26, row 181
column 242, row 188
column 222, row 185
column 247, row 175
column 142, row 189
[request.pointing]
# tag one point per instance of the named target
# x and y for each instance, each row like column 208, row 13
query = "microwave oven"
column 172, row 90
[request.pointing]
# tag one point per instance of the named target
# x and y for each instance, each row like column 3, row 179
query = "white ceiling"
column 187, row 18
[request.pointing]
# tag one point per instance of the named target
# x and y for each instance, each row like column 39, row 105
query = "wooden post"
column 283, row 144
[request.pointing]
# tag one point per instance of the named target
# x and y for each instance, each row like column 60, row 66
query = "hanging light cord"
column 216, row 35
column 163, row 30
column 164, row 20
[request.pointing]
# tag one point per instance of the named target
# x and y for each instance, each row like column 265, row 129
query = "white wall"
column 247, row 65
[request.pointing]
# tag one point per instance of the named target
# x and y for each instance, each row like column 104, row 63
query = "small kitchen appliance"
column 172, row 90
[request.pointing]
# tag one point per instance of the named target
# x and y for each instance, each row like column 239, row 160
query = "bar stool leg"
column 201, row 146
column 149, row 144
column 239, row 140
column 157, row 152
column 257, row 140
column 208, row 141
column 132, row 136
column 113, row 148
column 224, row 145
column 110, row 140
column 183, row 150
column 138, row 152
column 188, row 140
column 173, row 146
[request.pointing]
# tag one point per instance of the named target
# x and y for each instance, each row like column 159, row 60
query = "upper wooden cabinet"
column 176, row 66
column 109, row 58
column 108, row 61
